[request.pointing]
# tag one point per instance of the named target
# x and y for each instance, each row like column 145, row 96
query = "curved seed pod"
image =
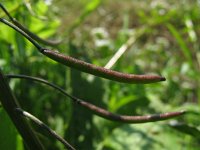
column 102, row 112
column 128, row 119
column 100, row 71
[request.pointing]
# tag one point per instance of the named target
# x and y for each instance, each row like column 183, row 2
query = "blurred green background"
column 164, row 37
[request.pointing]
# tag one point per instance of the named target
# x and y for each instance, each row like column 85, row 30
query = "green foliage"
column 9, row 137
column 89, row 8
column 181, row 43
column 146, row 136
column 168, row 45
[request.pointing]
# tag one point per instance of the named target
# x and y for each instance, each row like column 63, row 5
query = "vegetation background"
column 165, row 40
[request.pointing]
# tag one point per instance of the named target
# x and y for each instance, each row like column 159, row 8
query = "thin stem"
column 45, row 127
column 32, row 35
column 102, row 112
column 120, row 52
column 126, row 46
column 6, row 12
column 21, row 32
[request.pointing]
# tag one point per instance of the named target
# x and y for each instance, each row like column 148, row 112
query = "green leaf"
column 182, row 43
column 9, row 135
column 151, row 136
column 89, row 8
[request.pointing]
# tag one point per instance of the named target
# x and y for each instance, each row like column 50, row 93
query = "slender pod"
column 87, row 67
column 100, row 71
column 128, row 119
column 102, row 112
column 78, row 64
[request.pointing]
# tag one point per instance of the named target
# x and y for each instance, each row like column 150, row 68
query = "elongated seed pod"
column 129, row 119
column 100, row 71
column 102, row 112
column 87, row 67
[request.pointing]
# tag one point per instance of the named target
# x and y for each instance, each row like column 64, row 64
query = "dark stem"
column 45, row 127
column 21, row 32
column 32, row 35
column 10, row 103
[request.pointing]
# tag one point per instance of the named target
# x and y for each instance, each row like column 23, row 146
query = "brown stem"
column 9, row 103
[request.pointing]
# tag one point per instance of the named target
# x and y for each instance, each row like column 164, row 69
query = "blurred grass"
column 169, row 47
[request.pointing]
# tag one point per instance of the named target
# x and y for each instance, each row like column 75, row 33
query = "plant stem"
column 45, row 127
column 10, row 103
